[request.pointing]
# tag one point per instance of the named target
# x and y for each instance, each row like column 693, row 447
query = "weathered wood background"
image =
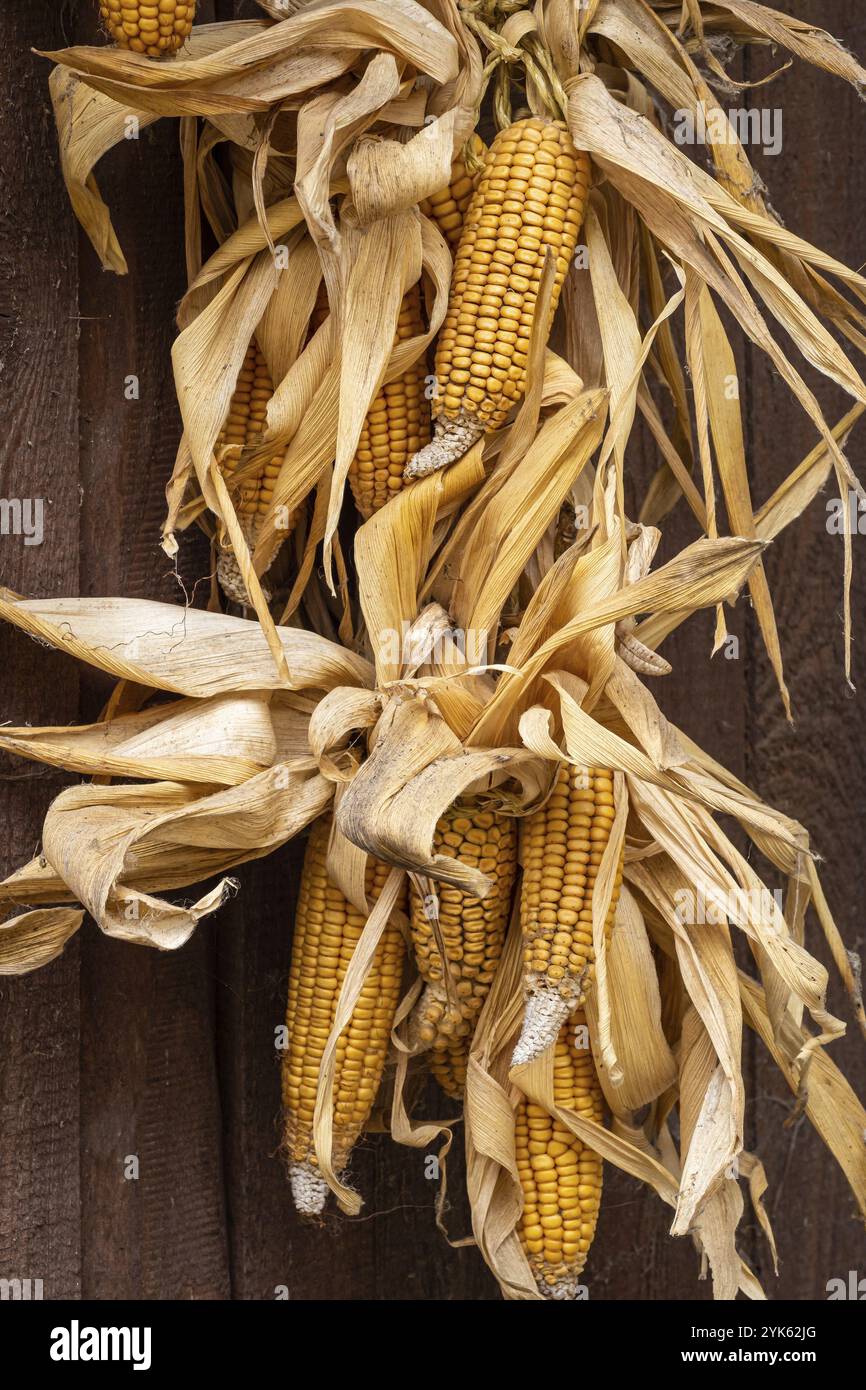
column 113, row 1051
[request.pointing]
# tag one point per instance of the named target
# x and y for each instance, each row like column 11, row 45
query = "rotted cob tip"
column 309, row 1189
column 156, row 28
column 545, row 1013
column 451, row 440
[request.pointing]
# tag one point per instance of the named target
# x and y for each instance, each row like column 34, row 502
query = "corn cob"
column 531, row 196
column 154, row 27
column 561, row 1178
column 562, row 848
column 327, row 928
column 449, row 206
column 245, row 422
column 473, row 932
column 397, row 423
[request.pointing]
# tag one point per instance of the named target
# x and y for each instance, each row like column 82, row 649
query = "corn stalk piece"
column 561, row 1177
column 153, row 27
column 563, row 845
column 472, row 932
column 327, row 929
column 530, row 198
column 397, row 423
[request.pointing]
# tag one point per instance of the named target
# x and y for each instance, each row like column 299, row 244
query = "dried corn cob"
column 531, row 196
column 561, row 1178
column 154, row 27
column 449, row 206
column 562, row 848
column 397, row 423
column 327, row 928
column 245, row 423
column 473, row 932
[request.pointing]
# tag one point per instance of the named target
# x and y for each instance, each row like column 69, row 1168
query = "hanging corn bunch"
column 509, row 605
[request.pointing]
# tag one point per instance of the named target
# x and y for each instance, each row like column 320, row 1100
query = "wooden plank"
column 39, row 1014
column 148, row 1069
column 815, row 771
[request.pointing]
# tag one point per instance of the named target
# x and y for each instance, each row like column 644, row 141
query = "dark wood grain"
column 115, row 1052
column 148, row 1058
column 40, row 1221
column 816, row 771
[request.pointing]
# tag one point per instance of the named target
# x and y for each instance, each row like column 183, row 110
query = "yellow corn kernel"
column 530, row 199
column 397, row 423
column 472, row 932
column 245, row 423
column 563, row 844
column 561, row 1178
column 449, row 206
column 327, row 929
column 153, row 27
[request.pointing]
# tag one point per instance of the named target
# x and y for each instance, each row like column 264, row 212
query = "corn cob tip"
column 425, row 1015
column 229, row 574
column 309, row 1189
column 546, row 1011
column 565, row 1289
column 451, row 440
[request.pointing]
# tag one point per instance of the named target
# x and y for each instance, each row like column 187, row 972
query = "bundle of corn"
column 471, row 934
column 155, row 27
column 327, row 930
column 521, row 554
